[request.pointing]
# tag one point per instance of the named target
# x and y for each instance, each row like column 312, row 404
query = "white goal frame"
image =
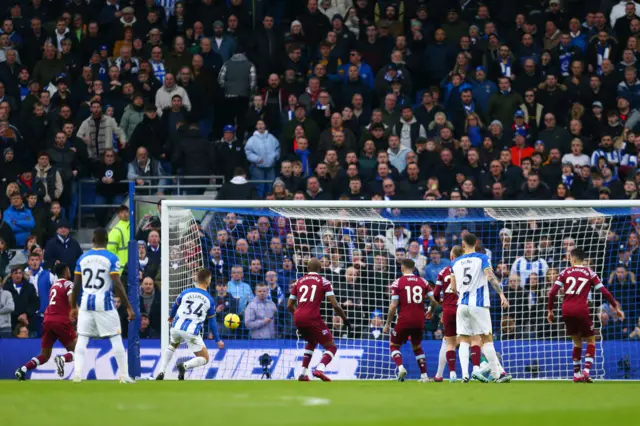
column 335, row 204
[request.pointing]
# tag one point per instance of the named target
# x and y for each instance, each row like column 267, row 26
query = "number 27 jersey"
column 96, row 268
column 194, row 306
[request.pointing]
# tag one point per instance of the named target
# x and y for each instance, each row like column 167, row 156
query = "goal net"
column 257, row 250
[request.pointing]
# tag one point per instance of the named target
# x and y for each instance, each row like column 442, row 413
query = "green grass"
column 265, row 403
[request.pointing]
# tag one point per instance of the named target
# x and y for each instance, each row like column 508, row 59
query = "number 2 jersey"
column 410, row 291
column 58, row 309
column 191, row 309
column 472, row 285
column 443, row 284
column 96, row 268
column 310, row 291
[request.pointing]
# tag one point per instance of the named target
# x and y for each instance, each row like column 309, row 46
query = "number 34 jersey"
column 96, row 268
column 471, row 283
column 192, row 308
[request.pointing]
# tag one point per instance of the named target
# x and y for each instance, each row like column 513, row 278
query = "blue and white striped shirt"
column 191, row 309
column 96, row 268
column 524, row 267
column 612, row 157
column 472, row 285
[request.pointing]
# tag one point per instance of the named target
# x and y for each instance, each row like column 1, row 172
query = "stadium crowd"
column 318, row 100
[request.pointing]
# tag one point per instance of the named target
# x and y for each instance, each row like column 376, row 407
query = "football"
column 232, row 321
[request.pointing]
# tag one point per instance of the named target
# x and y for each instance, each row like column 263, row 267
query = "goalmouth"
column 360, row 243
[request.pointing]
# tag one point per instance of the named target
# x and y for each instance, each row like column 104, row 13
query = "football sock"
column 33, row 363
column 81, row 350
column 442, row 359
column 576, row 356
column 451, row 361
column 195, row 362
column 463, row 354
column 68, row 357
column 588, row 357
column 166, row 359
column 475, row 357
column 421, row 360
column 484, row 368
column 120, row 355
column 396, row 355
column 492, row 357
column 306, row 358
column 327, row 356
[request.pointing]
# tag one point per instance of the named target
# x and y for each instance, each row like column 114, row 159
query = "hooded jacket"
column 262, row 146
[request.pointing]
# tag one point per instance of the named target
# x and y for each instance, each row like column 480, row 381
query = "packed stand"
column 315, row 100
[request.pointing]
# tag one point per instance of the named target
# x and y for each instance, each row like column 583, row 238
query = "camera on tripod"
column 265, row 362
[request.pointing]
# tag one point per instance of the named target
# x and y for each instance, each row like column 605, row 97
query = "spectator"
column 99, row 132
column 260, row 315
column 41, row 280
column 143, row 168
column 154, row 252
column 237, row 79
column 25, row 299
column 262, row 151
column 62, row 248
column 109, row 172
column 119, row 236
column 19, row 218
column 504, row 104
column 133, row 115
column 194, row 156
column 48, row 180
column 229, row 153
column 6, row 234
column 436, row 264
column 237, row 188
column 165, row 95
column 6, row 310
column 150, row 304
column 239, row 289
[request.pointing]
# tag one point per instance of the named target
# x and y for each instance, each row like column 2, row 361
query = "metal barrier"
column 176, row 188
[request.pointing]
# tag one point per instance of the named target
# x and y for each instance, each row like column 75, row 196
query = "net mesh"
column 360, row 250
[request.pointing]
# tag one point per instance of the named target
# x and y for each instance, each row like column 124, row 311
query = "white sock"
column 442, row 359
column 463, row 355
column 492, row 357
column 166, row 359
column 81, row 350
column 484, row 367
column 304, row 371
column 195, row 362
column 321, row 367
column 121, row 355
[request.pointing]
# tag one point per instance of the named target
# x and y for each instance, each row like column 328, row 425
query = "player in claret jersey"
column 308, row 293
column 408, row 293
column 577, row 282
column 56, row 325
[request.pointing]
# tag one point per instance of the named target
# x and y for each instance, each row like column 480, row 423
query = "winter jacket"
column 262, row 150
column 237, row 189
column 229, row 155
column 26, row 301
column 116, row 171
column 130, row 119
column 6, row 308
column 6, row 233
column 194, row 155
column 632, row 91
column 364, row 70
column 150, row 134
column 151, row 168
column 64, row 250
column 482, row 92
column 502, row 106
column 237, row 77
column 107, row 133
column 51, row 183
column 64, row 160
column 21, row 222
column 254, row 319
column 164, row 95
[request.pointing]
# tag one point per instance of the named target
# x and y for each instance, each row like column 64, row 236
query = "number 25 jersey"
column 472, row 285
column 194, row 306
column 96, row 268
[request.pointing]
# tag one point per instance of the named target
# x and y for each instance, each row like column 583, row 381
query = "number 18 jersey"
column 96, row 268
column 192, row 308
column 410, row 292
column 472, row 285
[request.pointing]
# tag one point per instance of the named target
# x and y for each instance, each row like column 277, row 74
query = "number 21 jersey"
column 96, row 268
column 472, row 285
column 310, row 291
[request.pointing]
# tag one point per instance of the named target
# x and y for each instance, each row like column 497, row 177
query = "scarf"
column 506, row 67
column 304, row 158
column 474, row 135
column 64, row 241
column 27, row 183
column 468, row 109
column 564, row 58
column 313, row 97
column 603, row 53
column 568, row 180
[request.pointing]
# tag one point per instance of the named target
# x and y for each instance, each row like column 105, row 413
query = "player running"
column 577, row 282
column 56, row 325
column 472, row 272
column 98, row 276
column 408, row 292
column 308, row 293
column 188, row 314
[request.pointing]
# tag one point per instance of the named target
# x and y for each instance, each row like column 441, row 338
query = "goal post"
column 256, row 246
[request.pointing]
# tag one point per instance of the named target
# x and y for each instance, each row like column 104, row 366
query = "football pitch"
column 266, row 403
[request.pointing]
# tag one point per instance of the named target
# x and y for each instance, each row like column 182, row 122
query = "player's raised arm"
column 490, row 275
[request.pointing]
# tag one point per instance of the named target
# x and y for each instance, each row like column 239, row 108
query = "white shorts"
column 473, row 321
column 99, row 323
column 194, row 341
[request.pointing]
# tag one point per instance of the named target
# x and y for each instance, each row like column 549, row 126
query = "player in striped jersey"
column 98, row 276
column 528, row 264
column 188, row 314
column 472, row 272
